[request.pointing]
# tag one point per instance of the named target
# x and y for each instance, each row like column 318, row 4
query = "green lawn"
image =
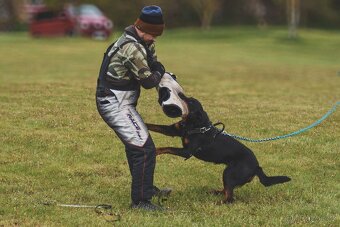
column 55, row 147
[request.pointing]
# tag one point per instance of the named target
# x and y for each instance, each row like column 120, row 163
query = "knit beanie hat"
column 151, row 20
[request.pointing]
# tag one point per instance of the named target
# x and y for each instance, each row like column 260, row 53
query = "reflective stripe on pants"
column 139, row 147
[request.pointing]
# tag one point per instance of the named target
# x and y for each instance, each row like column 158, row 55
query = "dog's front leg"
column 174, row 151
column 168, row 130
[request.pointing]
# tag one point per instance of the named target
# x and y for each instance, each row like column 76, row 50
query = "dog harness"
column 204, row 130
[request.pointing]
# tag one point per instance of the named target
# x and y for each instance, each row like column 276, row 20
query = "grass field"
column 56, row 148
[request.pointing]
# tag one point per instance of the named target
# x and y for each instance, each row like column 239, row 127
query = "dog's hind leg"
column 229, row 185
column 174, row 151
column 235, row 175
column 228, row 195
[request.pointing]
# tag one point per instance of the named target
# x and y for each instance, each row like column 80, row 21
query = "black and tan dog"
column 204, row 141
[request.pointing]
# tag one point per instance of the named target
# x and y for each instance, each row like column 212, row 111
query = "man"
column 128, row 64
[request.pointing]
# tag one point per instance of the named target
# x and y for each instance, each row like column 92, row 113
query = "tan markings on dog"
column 225, row 196
column 186, row 140
column 177, row 126
column 228, row 196
column 251, row 178
column 164, row 150
column 159, row 151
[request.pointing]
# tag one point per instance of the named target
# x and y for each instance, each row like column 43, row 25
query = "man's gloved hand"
column 157, row 66
column 172, row 75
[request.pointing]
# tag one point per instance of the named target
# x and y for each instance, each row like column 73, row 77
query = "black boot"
column 146, row 205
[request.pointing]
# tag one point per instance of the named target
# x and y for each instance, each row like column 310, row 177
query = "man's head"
column 150, row 23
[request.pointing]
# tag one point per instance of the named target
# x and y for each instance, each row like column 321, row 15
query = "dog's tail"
column 269, row 181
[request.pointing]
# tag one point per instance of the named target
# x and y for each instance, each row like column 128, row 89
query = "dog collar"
column 199, row 130
column 206, row 129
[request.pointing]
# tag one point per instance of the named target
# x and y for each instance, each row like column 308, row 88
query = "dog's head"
column 196, row 114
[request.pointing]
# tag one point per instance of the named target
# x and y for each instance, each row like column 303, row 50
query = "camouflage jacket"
column 131, row 61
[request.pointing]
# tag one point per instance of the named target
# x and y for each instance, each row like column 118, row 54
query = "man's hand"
column 157, row 66
column 172, row 75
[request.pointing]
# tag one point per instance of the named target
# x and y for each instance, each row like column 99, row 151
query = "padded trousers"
column 140, row 150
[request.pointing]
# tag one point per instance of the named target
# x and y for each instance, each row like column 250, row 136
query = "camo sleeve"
column 135, row 59
column 153, row 51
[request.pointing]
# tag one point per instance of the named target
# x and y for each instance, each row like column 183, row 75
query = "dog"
column 201, row 139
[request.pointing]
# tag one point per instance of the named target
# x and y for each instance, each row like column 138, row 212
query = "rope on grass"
column 104, row 210
column 319, row 121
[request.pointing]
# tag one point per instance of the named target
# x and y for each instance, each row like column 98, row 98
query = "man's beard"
column 147, row 42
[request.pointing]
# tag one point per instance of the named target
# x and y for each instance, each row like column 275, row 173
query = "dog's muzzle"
column 168, row 89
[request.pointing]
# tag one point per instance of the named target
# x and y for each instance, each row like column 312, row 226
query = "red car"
column 49, row 23
column 91, row 21
column 85, row 20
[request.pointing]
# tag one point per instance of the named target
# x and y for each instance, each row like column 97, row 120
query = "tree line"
column 206, row 13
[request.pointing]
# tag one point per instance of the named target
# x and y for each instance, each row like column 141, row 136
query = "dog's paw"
column 219, row 203
column 225, row 201
column 216, row 192
column 229, row 201
column 222, row 202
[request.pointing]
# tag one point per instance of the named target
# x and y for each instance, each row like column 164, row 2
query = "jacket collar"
column 131, row 30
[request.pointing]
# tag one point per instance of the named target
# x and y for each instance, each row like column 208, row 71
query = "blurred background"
column 262, row 67
column 99, row 18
